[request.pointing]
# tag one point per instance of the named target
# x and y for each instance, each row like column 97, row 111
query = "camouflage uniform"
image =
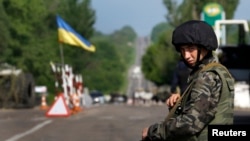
column 202, row 105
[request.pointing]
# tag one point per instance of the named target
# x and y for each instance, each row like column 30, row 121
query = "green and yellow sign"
column 212, row 12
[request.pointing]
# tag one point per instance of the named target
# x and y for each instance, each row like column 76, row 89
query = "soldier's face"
column 190, row 53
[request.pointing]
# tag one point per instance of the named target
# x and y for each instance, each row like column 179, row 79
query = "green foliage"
column 5, row 33
column 85, row 16
column 29, row 40
column 104, row 70
column 124, row 40
column 189, row 9
column 159, row 61
column 114, row 55
column 159, row 29
column 125, row 34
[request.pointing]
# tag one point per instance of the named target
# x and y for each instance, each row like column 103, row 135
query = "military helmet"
column 195, row 32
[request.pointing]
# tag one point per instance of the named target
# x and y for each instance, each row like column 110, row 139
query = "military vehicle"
column 234, row 53
column 16, row 88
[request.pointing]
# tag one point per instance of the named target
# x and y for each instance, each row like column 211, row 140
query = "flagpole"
column 61, row 52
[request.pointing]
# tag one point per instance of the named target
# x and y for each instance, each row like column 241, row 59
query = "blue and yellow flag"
column 69, row 36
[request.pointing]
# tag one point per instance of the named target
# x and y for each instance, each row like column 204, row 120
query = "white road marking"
column 37, row 127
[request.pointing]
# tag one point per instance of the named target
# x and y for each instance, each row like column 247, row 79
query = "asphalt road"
column 137, row 81
column 96, row 123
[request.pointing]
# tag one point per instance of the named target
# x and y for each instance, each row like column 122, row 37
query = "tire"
column 29, row 92
column 24, row 91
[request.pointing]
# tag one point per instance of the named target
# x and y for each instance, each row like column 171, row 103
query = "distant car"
column 118, row 98
column 97, row 97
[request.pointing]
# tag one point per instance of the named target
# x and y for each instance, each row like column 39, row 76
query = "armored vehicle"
column 16, row 88
column 234, row 53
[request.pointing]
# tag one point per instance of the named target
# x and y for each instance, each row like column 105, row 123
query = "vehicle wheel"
column 25, row 91
column 29, row 92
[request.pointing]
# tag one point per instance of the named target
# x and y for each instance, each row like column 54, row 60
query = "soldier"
column 208, row 99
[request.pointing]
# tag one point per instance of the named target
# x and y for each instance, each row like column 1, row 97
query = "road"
column 137, row 81
column 109, row 122
column 98, row 123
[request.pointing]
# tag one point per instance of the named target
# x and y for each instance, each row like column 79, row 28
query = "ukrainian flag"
column 69, row 36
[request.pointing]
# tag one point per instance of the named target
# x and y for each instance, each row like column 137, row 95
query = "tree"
column 158, row 30
column 80, row 16
column 158, row 60
column 192, row 9
column 124, row 40
column 5, row 34
column 103, row 69
column 30, row 34
column 119, row 46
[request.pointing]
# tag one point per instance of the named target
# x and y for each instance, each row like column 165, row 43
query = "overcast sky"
column 141, row 15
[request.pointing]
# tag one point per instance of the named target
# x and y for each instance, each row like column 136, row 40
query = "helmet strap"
column 198, row 57
column 198, row 61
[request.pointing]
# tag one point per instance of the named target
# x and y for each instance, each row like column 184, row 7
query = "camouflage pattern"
column 209, row 100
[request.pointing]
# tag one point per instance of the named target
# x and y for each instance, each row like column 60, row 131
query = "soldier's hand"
column 172, row 99
column 144, row 133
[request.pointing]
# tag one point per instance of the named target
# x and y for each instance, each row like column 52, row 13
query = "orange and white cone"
column 44, row 105
column 76, row 101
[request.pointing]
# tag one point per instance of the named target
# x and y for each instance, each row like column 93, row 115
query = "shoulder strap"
column 172, row 111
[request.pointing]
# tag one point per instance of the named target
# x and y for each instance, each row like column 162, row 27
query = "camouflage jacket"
column 199, row 108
